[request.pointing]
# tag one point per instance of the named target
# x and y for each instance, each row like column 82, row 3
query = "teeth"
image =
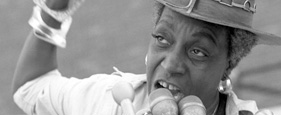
column 170, row 86
column 173, row 87
column 178, row 96
column 165, row 84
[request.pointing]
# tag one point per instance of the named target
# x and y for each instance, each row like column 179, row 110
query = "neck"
column 214, row 104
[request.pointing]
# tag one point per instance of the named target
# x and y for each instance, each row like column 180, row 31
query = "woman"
column 194, row 47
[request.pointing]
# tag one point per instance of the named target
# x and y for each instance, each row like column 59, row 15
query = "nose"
column 174, row 64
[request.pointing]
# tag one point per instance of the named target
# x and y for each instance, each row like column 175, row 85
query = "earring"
column 225, row 85
column 145, row 60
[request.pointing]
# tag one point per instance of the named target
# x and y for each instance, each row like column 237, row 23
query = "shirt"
column 53, row 94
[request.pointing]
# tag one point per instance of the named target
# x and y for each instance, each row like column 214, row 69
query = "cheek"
column 211, row 80
column 207, row 79
column 152, row 62
column 153, row 58
column 204, row 82
column 149, row 57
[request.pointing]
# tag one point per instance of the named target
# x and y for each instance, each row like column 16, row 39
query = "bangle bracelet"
column 59, row 15
column 47, row 33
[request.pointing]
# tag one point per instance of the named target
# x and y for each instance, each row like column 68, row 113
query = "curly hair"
column 240, row 42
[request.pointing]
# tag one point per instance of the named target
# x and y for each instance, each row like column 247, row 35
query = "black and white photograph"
column 140, row 57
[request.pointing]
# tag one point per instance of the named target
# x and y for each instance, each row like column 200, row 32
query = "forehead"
column 172, row 20
column 174, row 17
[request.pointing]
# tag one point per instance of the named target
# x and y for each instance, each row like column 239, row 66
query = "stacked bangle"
column 47, row 33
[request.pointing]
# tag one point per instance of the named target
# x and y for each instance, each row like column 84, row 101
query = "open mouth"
column 172, row 88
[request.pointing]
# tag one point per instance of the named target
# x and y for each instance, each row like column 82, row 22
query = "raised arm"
column 38, row 57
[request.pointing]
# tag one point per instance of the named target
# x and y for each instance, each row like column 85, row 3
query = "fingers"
column 264, row 112
column 57, row 4
column 144, row 112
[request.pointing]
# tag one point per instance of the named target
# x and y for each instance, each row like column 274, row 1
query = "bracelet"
column 59, row 15
column 47, row 33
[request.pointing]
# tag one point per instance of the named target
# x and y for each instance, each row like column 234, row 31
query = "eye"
column 198, row 53
column 160, row 40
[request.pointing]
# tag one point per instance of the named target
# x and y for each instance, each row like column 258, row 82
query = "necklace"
column 215, row 110
column 220, row 109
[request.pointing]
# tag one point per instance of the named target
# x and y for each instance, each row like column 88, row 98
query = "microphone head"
column 122, row 90
column 162, row 102
column 192, row 105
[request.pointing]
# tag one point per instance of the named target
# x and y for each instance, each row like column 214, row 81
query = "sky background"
column 116, row 33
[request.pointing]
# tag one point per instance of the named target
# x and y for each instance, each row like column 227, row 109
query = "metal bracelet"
column 47, row 33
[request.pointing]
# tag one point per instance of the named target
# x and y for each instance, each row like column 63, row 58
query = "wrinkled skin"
column 188, row 53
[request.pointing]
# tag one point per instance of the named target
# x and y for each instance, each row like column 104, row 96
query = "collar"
column 234, row 106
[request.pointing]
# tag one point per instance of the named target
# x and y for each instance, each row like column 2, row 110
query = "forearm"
column 37, row 57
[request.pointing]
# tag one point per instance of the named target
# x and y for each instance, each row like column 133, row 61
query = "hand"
column 264, row 112
column 144, row 112
column 54, row 5
column 57, row 4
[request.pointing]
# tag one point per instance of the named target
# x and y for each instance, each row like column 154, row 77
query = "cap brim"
column 263, row 37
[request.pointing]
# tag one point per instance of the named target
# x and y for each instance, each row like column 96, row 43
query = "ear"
column 146, row 59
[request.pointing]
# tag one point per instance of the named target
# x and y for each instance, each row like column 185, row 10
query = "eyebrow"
column 169, row 24
column 208, row 33
column 208, row 30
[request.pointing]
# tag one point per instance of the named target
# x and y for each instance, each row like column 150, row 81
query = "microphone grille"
column 159, row 95
column 123, row 90
column 191, row 101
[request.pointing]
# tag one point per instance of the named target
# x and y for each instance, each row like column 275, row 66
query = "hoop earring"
column 145, row 60
column 225, row 85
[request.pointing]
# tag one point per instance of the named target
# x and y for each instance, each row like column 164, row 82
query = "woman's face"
column 186, row 56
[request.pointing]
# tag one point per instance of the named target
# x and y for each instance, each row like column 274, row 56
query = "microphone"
column 162, row 102
column 123, row 94
column 144, row 112
column 191, row 105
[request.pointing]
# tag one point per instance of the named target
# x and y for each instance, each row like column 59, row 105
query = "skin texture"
column 38, row 57
column 183, row 55
column 189, row 54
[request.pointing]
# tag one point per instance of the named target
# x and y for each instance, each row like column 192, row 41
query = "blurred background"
column 116, row 33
